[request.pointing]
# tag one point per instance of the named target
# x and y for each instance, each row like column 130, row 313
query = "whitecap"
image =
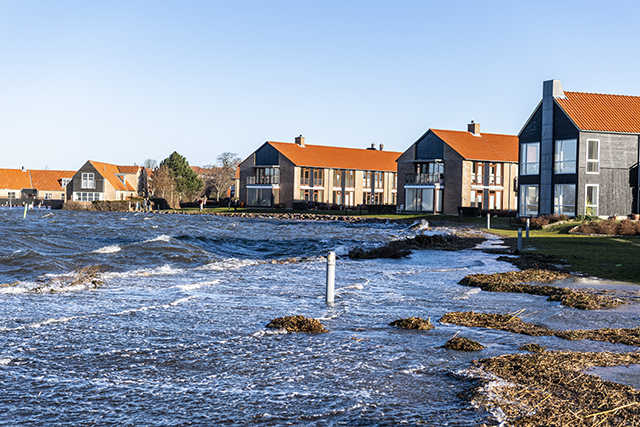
column 359, row 286
column 161, row 238
column 193, row 286
column 165, row 270
column 263, row 333
column 108, row 249
column 228, row 264
column 466, row 294
column 4, row 361
column 341, row 250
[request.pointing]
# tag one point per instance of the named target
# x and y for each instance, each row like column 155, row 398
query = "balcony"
column 263, row 179
column 424, row 178
column 306, row 182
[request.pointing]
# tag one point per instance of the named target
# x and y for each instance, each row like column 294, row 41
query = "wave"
column 466, row 294
column 266, row 332
column 193, row 286
column 228, row 264
column 111, row 249
column 162, row 238
column 164, row 270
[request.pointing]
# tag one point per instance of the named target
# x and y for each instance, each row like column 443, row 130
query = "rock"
column 463, row 344
column 297, row 324
column 413, row 323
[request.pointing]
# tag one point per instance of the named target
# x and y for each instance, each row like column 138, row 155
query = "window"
column 318, row 177
column 11, row 195
column 565, row 156
column 87, row 197
column 423, row 200
column 65, row 181
column 366, row 182
column 337, row 197
column 259, row 196
column 378, row 180
column 337, row 179
column 564, row 200
column 530, row 158
column 350, row 178
column 427, row 173
column 591, row 202
column 495, row 174
column 394, row 181
column 48, row 196
column 305, row 176
column 593, row 156
column 88, row 181
column 477, row 197
column 477, row 172
column 265, row 176
column 529, row 200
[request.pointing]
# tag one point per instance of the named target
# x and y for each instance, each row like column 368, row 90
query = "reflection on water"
column 176, row 335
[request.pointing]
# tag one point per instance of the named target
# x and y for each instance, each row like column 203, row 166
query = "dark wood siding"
column 267, row 156
column 533, row 131
column 429, row 147
column 76, row 182
column 563, row 127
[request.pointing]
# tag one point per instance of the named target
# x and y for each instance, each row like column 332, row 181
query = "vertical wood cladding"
column 429, row 147
column 267, row 156
column 76, row 181
column 533, row 130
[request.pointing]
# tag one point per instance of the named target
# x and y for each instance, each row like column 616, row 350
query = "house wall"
column 76, row 182
column 453, row 179
column 617, row 180
column 289, row 181
column 405, row 166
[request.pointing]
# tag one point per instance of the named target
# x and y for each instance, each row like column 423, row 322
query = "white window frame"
column 88, row 180
column 560, row 164
column 524, row 210
column 528, row 167
column 560, row 208
column 596, row 161
column 597, row 201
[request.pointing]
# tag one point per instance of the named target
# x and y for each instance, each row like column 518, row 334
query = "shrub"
column 627, row 227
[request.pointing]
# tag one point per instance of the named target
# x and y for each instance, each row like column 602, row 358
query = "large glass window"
column 88, row 180
column 565, row 156
column 427, row 173
column 350, row 178
column 86, row 197
column 564, row 200
column 378, row 179
column 591, row 203
column 529, row 200
column 366, row 181
column 421, row 199
column 477, row 172
column 259, row 196
column 318, row 177
column 338, row 179
column 530, row 158
column 305, row 176
column 265, row 176
column 593, row 156
column 495, row 174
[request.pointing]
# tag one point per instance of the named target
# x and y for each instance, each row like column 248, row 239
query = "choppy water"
column 176, row 334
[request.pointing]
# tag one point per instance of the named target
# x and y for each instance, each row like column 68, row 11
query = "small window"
column 530, row 158
column 564, row 201
column 591, row 202
column 593, row 156
column 565, row 156
column 88, row 180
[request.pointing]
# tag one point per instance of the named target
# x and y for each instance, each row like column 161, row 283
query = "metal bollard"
column 331, row 276
column 528, row 222
column 519, row 239
column 489, row 221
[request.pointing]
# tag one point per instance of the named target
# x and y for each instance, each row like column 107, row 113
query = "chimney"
column 300, row 140
column 381, row 147
column 373, row 146
column 474, row 128
column 553, row 88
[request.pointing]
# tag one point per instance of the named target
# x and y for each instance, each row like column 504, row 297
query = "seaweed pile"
column 550, row 388
column 401, row 248
column 516, row 281
column 297, row 324
column 513, row 323
column 463, row 344
column 90, row 275
column 413, row 323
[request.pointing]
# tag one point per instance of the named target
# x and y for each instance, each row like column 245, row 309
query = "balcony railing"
column 263, row 179
column 318, row 182
column 424, row 178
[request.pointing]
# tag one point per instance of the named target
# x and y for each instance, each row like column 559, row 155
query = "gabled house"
column 579, row 154
column 27, row 184
column 445, row 170
column 281, row 173
column 104, row 181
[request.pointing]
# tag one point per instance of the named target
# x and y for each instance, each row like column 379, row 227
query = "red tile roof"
column 600, row 112
column 49, row 180
column 485, row 147
column 109, row 172
column 14, row 179
column 320, row 156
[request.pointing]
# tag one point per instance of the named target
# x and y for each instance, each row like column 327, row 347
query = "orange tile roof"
column 49, row 180
column 109, row 172
column 600, row 112
column 486, row 147
column 128, row 169
column 320, row 156
column 14, row 179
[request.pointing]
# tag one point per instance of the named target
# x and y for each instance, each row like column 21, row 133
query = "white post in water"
column 489, row 221
column 519, row 239
column 25, row 211
column 528, row 222
column 331, row 276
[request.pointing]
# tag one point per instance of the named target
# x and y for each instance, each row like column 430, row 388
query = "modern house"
column 30, row 185
column 104, row 181
column 579, row 154
column 445, row 170
column 280, row 173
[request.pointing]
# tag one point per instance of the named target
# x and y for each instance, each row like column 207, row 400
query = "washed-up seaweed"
column 297, row 324
column 401, row 248
column 551, row 389
column 513, row 323
column 463, row 344
column 517, row 282
column 413, row 323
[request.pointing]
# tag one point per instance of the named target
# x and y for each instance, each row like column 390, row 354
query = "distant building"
column 104, row 181
column 281, row 173
column 446, row 169
column 579, row 154
column 27, row 184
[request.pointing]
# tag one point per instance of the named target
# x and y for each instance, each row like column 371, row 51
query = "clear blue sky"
column 123, row 81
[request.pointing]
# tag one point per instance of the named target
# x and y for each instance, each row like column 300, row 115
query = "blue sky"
column 123, row 81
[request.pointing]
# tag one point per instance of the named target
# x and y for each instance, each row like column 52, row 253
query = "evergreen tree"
column 187, row 183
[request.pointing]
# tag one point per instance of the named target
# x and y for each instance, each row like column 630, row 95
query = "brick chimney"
column 300, row 140
column 474, row 128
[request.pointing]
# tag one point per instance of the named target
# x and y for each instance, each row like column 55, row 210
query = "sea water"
column 175, row 335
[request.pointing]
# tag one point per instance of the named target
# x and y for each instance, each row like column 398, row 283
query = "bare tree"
column 163, row 185
column 150, row 164
column 220, row 176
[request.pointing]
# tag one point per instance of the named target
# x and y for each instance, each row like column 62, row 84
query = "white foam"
column 466, row 294
column 359, row 286
column 108, row 249
column 228, row 264
column 263, row 333
column 198, row 285
column 165, row 270
column 4, row 361
column 162, row 238
column 153, row 307
column 341, row 250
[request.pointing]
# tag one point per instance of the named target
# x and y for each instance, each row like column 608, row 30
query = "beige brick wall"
column 453, row 186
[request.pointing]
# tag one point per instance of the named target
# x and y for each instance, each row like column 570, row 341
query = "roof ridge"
column 334, row 147
column 466, row 131
column 604, row 94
